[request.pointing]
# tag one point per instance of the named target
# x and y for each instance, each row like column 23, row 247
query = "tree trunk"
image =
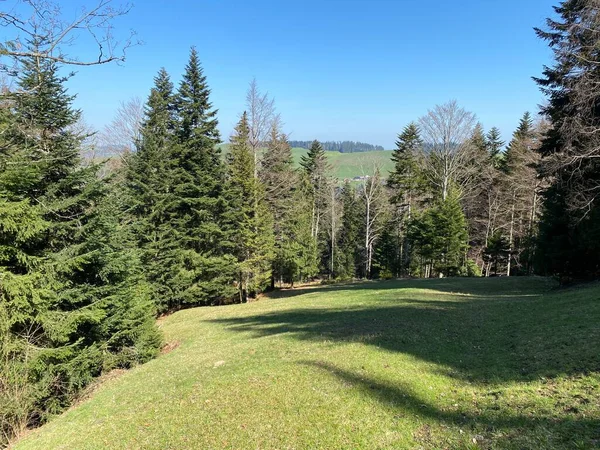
column 367, row 238
column 406, row 261
column 312, row 223
column 332, row 232
column 510, row 237
column 531, row 225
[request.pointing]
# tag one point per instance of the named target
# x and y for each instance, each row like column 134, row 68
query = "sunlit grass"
column 350, row 165
column 457, row 363
column 347, row 165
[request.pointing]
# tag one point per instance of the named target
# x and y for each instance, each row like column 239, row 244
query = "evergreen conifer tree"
column 349, row 235
column 317, row 170
column 568, row 244
column 478, row 140
column 497, row 250
column 285, row 194
column 196, row 241
column 406, row 182
column 520, row 144
column 494, row 145
column 197, row 118
column 148, row 174
column 440, row 237
column 253, row 236
column 406, row 179
column 522, row 187
column 160, row 109
column 66, row 288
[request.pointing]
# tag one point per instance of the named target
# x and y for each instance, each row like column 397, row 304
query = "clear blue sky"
column 338, row 69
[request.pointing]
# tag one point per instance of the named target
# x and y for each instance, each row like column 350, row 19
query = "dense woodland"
column 339, row 146
column 91, row 252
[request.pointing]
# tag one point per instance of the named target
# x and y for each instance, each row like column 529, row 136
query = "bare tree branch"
column 446, row 131
column 43, row 34
column 261, row 116
column 124, row 131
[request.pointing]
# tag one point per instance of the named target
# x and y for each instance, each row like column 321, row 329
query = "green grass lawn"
column 456, row 363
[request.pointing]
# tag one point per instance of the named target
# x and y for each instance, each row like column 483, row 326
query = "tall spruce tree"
column 295, row 250
column 494, row 144
column 148, row 174
column 159, row 112
column 520, row 144
column 348, row 259
column 24, row 299
column 522, row 189
column 317, row 170
column 406, row 183
column 197, row 118
column 253, row 223
column 405, row 179
column 305, row 249
column 478, row 140
column 569, row 231
column 479, row 195
column 68, row 294
column 196, row 241
column 147, row 169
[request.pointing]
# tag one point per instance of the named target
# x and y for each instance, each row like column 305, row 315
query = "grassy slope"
column 407, row 364
column 348, row 165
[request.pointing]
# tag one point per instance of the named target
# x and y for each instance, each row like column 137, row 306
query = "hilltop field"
column 505, row 363
column 348, row 165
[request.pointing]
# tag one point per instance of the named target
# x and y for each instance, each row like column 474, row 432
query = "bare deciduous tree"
column 88, row 136
column 124, row 131
column 446, row 131
column 261, row 115
column 375, row 202
column 39, row 31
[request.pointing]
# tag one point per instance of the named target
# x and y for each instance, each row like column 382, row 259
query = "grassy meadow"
column 507, row 363
column 347, row 165
column 350, row 165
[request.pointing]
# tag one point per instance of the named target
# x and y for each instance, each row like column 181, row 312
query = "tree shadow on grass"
column 485, row 332
column 499, row 337
column 514, row 286
column 498, row 427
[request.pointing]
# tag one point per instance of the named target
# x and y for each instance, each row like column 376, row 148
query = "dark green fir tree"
column 569, row 238
column 494, row 144
column 348, row 260
column 68, row 288
column 196, row 251
column 407, row 184
column 253, row 223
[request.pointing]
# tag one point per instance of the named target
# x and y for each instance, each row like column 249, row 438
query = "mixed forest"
column 93, row 249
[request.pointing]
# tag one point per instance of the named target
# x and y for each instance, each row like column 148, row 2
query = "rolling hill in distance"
column 348, row 165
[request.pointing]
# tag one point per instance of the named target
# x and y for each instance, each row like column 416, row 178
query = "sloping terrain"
column 347, row 165
column 456, row 363
column 350, row 165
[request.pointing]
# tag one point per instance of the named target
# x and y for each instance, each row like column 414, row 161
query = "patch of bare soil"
column 169, row 347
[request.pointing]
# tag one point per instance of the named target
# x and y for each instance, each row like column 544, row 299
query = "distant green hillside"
column 349, row 165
